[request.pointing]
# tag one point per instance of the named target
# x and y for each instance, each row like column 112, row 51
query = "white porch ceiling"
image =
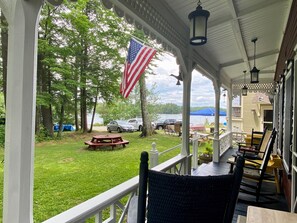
column 231, row 27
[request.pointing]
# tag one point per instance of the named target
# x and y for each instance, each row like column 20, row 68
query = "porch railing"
column 221, row 145
column 114, row 202
column 238, row 137
column 112, row 206
column 225, row 142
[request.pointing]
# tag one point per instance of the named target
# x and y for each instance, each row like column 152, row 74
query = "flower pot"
column 204, row 158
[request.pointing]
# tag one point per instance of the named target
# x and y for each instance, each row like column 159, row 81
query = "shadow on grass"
column 104, row 148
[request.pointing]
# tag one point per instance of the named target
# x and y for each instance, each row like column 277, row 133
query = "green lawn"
column 67, row 173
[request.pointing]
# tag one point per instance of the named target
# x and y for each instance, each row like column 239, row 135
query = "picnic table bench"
column 106, row 140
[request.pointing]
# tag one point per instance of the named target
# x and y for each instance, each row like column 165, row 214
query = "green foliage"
column 169, row 108
column 2, row 135
column 209, row 150
column 2, row 106
column 123, row 109
column 43, row 135
column 80, row 49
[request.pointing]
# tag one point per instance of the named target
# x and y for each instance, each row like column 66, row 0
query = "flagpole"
column 147, row 44
column 141, row 40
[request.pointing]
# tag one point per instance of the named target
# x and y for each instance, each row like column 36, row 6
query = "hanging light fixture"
column 198, row 25
column 179, row 78
column 254, row 71
column 244, row 90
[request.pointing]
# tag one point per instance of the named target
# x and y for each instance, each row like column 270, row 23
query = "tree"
column 79, row 61
column 4, row 47
column 147, row 129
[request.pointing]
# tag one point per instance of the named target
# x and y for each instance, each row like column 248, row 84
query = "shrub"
column 2, row 135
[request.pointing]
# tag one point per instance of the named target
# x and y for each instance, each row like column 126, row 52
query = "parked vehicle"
column 161, row 124
column 120, row 126
column 138, row 124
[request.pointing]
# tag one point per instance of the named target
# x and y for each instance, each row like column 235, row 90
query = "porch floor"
column 241, row 208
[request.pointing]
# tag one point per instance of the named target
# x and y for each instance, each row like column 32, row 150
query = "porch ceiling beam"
column 259, row 56
column 238, row 36
column 262, row 72
column 238, row 82
column 244, row 13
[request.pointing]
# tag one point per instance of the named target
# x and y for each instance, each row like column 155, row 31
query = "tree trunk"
column 147, row 129
column 83, row 100
column 76, row 110
column 61, row 119
column 4, row 43
column 45, row 86
column 94, row 110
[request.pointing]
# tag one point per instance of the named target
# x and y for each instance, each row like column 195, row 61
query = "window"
column 236, row 112
column 287, row 119
column 268, row 119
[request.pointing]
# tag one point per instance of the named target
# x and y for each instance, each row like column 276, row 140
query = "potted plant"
column 206, row 156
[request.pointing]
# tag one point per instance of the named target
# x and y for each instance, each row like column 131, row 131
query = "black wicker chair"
column 174, row 198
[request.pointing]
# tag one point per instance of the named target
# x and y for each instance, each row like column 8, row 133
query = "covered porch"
column 228, row 52
column 116, row 208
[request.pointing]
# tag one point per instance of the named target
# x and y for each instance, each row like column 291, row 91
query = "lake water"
column 194, row 119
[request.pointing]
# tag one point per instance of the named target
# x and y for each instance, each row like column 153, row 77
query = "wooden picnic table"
column 106, row 140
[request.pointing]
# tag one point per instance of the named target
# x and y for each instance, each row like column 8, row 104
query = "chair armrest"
column 251, row 167
column 252, row 162
column 242, row 143
column 249, row 149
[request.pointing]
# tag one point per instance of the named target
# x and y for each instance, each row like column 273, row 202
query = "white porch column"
column 186, row 113
column 216, row 142
column 187, row 79
column 229, row 110
column 22, row 16
column 229, row 113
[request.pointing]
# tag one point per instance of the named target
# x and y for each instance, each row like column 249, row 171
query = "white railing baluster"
column 225, row 142
column 98, row 217
column 154, row 156
column 195, row 151
column 125, row 211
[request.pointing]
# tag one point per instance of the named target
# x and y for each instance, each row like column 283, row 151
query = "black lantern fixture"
column 254, row 71
column 198, row 25
column 244, row 90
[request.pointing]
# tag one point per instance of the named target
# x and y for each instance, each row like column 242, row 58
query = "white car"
column 137, row 123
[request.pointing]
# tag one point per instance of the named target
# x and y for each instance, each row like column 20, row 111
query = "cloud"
column 202, row 89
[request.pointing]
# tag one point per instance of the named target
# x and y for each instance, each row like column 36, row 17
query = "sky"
column 202, row 93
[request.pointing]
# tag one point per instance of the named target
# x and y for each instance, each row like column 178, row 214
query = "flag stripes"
column 139, row 56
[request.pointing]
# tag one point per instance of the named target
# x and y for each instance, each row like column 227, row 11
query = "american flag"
column 139, row 56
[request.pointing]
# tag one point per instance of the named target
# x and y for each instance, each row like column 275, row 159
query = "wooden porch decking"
column 241, row 208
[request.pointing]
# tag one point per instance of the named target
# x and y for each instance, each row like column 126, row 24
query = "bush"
column 2, row 135
column 42, row 135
